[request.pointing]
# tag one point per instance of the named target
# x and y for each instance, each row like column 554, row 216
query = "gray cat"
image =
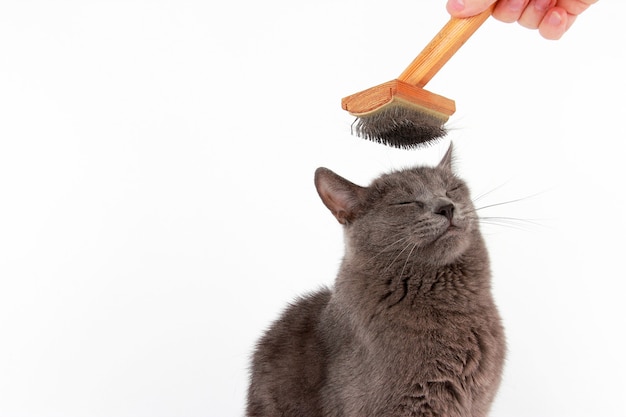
column 410, row 327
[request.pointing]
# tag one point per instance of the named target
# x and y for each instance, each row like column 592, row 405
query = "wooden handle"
column 445, row 44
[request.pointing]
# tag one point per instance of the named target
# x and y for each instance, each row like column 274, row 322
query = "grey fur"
column 410, row 327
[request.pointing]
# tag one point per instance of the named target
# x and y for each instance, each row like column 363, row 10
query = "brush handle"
column 445, row 44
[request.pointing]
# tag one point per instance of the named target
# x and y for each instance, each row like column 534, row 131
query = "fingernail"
column 456, row 5
column 542, row 5
column 516, row 5
column 554, row 19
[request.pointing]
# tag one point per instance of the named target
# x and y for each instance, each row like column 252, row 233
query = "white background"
column 157, row 209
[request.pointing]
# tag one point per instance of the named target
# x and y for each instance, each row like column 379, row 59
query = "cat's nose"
column 446, row 210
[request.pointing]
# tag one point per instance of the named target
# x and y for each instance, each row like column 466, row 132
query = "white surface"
column 157, row 209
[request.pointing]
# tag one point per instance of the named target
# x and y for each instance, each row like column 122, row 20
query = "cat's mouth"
column 452, row 229
column 456, row 225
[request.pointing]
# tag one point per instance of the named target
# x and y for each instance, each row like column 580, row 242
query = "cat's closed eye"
column 415, row 203
column 455, row 189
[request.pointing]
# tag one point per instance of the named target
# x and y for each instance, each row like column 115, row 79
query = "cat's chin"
column 449, row 245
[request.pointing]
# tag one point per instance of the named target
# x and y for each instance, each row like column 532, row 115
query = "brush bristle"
column 401, row 126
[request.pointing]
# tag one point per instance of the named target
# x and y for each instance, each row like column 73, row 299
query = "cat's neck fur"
column 405, row 289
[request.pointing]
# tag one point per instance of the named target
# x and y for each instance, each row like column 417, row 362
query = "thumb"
column 467, row 8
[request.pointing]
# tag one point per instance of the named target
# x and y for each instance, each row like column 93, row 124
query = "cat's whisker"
column 398, row 256
column 516, row 200
column 512, row 222
column 500, row 204
column 506, row 221
column 407, row 259
column 386, row 249
column 486, row 193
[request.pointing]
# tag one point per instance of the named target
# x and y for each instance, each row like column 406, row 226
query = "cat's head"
column 424, row 214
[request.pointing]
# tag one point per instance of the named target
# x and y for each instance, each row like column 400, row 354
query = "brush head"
column 401, row 125
column 398, row 114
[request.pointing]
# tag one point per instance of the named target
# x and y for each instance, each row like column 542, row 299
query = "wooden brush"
column 400, row 113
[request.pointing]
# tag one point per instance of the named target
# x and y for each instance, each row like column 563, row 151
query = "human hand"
column 552, row 17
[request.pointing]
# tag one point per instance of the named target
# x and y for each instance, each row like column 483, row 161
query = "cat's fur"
column 410, row 328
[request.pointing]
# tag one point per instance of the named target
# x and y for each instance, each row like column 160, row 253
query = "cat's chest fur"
column 413, row 357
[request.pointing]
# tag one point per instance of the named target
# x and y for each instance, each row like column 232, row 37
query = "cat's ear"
column 447, row 160
column 342, row 197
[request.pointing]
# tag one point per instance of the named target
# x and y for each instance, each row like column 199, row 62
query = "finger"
column 509, row 10
column 570, row 21
column 534, row 13
column 575, row 7
column 554, row 24
column 467, row 8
